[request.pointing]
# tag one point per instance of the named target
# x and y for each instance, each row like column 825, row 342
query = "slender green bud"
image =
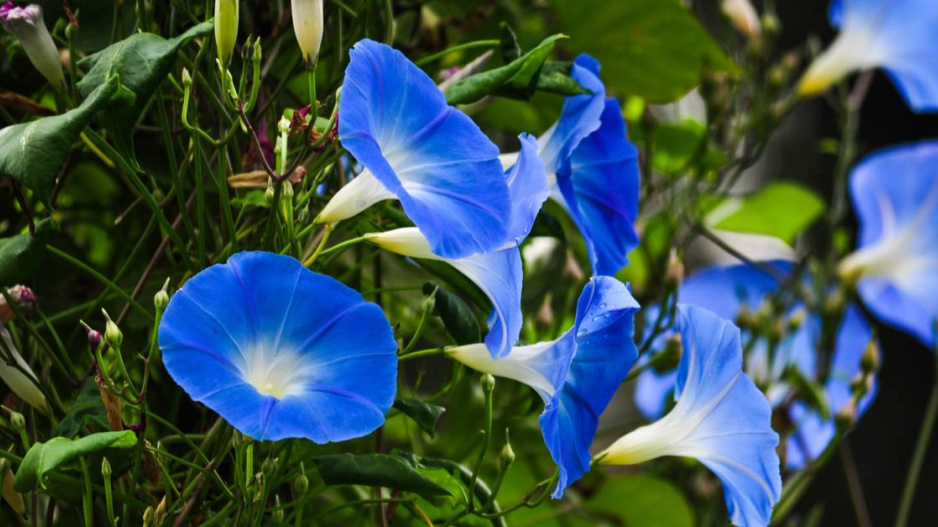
column 507, row 456
column 670, row 356
column 301, row 483
column 148, row 517
column 17, row 421
column 106, row 468
column 278, row 512
column 270, row 194
column 488, row 383
column 226, row 28
column 186, row 78
column 429, row 303
column 871, row 358
column 161, row 299
column 4, row 466
column 269, row 466
column 256, row 52
column 112, row 334
column 846, row 417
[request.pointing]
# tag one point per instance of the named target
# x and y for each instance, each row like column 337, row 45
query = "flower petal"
column 528, row 189
column 280, row 351
column 895, row 194
column 604, row 353
column 432, row 157
column 17, row 378
column 720, row 418
column 600, row 187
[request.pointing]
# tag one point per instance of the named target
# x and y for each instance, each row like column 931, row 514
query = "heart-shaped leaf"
column 32, row 153
column 43, row 457
column 143, row 61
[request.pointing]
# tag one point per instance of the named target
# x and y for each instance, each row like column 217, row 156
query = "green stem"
column 468, row 45
column 918, row 458
column 99, row 277
column 421, row 353
column 86, row 495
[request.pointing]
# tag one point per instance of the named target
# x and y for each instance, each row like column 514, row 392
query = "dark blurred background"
column 883, row 442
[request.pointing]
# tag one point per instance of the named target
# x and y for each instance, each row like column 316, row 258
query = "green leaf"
column 424, row 414
column 509, row 46
column 654, row 49
column 782, row 209
column 456, row 314
column 377, row 470
column 142, row 60
column 21, row 255
column 87, row 409
column 640, row 501
column 32, row 153
column 518, row 79
column 43, row 457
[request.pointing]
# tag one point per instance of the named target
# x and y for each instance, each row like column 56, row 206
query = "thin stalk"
column 918, row 458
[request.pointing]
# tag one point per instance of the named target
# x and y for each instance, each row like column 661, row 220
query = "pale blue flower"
column 720, row 418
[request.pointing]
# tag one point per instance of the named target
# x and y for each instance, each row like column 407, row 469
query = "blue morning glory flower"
column 280, row 351
column 593, row 170
column 419, row 150
column 895, row 266
column 497, row 273
column 729, row 290
column 576, row 375
column 721, row 418
column 899, row 36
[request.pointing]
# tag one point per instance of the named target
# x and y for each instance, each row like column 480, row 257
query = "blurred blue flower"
column 593, row 170
column 419, row 150
column 280, row 351
column 576, row 375
column 497, row 273
column 895, row 266
column 721, row 418
column 730, row 291
column 899, row 36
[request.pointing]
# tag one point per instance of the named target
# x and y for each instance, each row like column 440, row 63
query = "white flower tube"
column 308, row 26
column 743, row 16
column 15, row 376
column 226, row 28
column 26, row 24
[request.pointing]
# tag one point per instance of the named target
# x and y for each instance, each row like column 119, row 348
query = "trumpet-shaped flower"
column 498, row 273
column 576, row 375
column 730, row 292
column 419, row 150
column 721, row 418
column 593, row 170
column 280, row 351
column 895, row 266
column 898, row 36
column 27, row 25
column 17, row 375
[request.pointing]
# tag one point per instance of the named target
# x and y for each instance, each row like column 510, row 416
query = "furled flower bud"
column 488, row 383
column 94, row 339
column 112, row 334
column 301, row 484
column 307, row 24
column 17, row 421
column 670, row 356
column 161, row 298
column 106, row 468
column 226, row 28
column 507, row 456
column 743, row 16
column 278, row 512
column 24, row 301
column 186, row 77
column 148, row 516
column 27, row 25
column 870, row 360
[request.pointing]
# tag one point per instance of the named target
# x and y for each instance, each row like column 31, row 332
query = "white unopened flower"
column 26, row 24
column 743, row 16
column 17, row 375
column 307, row 24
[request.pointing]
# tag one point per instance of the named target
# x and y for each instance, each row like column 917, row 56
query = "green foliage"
column 378, row 470
column 639, row 501
column 424, row 414
column 457, row 316
column 519, row 79
column 58, row 451
column 88, row 409
column 655, row 49
column 32, row 153
column 21, row 255
column 781, row 209
column 142, row 61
